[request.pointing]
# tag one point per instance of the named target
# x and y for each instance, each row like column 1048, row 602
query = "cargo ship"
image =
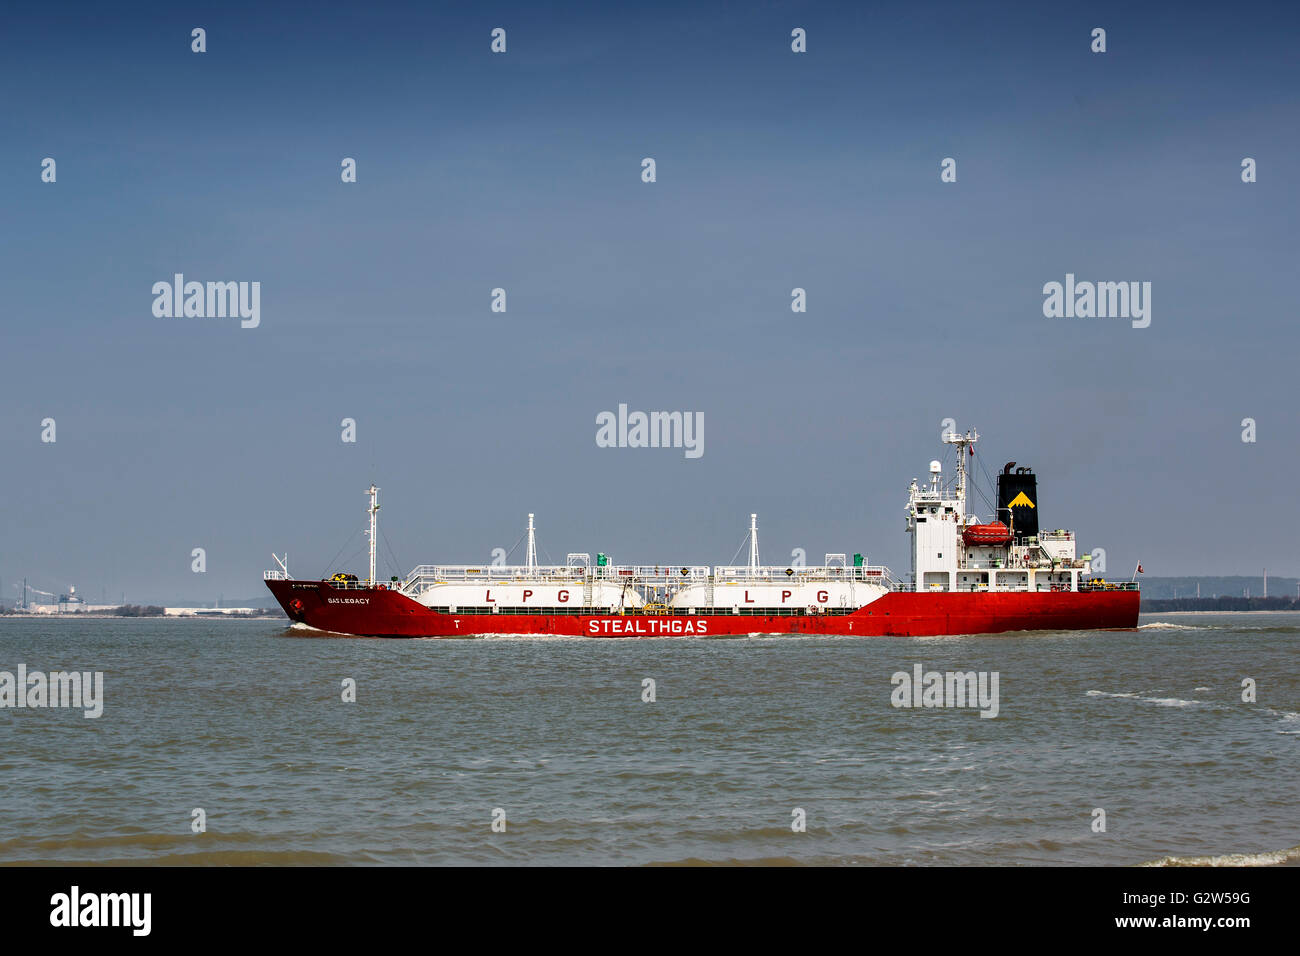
column 967, row 577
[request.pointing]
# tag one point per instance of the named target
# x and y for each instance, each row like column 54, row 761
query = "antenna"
column 532, row 544
column 373, row 511
column 962, row 442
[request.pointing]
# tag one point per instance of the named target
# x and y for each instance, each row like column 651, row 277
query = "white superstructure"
column 953, row 551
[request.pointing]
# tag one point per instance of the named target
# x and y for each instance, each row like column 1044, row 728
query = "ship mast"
column 532, row 544
column 753, row 542
column 962, row 442
column 373, row 511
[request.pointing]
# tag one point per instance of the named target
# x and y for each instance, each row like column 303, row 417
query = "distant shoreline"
column 91, row 616
column 1283, row 610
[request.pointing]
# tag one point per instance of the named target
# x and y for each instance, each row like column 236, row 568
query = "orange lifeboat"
column 995, row 533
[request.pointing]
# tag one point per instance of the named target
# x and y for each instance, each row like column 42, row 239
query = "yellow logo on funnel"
column 1020, row 500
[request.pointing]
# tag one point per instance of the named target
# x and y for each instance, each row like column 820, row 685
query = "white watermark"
column 651, row 430
column 957, row 689
column 75, row 689
column 211, row 300
column 103, row 909
column 1102, row 300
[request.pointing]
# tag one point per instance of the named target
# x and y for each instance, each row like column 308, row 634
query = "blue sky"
column 775, row 170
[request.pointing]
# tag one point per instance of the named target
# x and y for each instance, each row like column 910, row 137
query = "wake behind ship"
column 967, row 577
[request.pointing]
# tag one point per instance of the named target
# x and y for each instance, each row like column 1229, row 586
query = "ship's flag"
column 1139, row 569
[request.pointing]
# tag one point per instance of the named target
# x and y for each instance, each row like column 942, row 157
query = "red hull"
column 386, row 613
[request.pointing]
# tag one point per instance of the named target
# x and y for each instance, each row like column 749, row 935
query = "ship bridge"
column 952, row 550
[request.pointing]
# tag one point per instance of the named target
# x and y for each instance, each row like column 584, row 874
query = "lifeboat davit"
column 994, row 533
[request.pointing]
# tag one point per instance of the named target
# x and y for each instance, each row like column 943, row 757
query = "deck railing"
column 806, row 575
column 491, row 572
column 656, row 575
column 659, row 572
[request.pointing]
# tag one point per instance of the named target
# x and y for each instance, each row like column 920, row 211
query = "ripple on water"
column 247, row 723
